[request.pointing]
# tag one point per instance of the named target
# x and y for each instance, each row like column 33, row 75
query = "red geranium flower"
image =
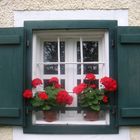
column 69, row 100
column 43, row 96
column 57, row 85
column 78, row 89
column 63, row 97
column 90, row 76
column 105, row 99
column 109, row 83
column 27, row 94
column 36, row 82
column 53, row 80
column 93, row 86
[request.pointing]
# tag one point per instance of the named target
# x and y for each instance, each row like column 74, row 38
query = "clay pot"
column 50, row 116
column 91, row 115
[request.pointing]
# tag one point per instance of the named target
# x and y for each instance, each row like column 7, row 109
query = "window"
column 69, row 50
column 122, row 61
column 69, row 55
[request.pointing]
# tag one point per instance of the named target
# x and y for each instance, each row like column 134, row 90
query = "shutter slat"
column 9, row 112
column 9, row 39
column 130, row 112
column 131, row 38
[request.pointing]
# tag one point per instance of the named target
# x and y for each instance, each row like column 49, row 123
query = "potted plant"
column 90, row 97
column 49, row 100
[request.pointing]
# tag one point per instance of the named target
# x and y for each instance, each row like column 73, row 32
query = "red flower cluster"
column 93, row 86
column 105, row 99
column 27, row 94
column 109, row 84
column 55, row 81
column 78, row 89
column 64, row 98
column 90, row 77
column 36, row 82
column 43, row 96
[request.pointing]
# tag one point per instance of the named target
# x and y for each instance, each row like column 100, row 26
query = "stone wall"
column 8, row 6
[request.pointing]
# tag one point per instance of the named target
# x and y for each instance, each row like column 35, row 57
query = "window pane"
column 62, row 81
column 78, row 81
column 50, row 54
column 46, row 82
column 90, row 51
column 62, row 51
column 90, row 54
column 78, row 52
column 62, row 69
column 78, row 58
column 79, row 69
column 96, row 82
column 91, row 68
column 50, row 51
column 62, row 57
column 50, row 69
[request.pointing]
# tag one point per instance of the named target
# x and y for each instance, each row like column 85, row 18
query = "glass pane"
column 96, row 82
column 62, row 81
column 78, row 58
column 90, row 54
column 50, row 69
column 90, row 51
column 62, row 68
column 50, row 51
column 50, row 55
column 62, row 51
column 78, row 68
column 62, row 57
column 78, row 52
column 91, row 68
column 78, row 81
column 46, row 82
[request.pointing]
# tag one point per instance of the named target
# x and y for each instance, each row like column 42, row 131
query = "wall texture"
column 7, row 8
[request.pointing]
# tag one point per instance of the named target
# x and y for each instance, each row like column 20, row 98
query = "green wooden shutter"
column 129, row 75
column 11, row 76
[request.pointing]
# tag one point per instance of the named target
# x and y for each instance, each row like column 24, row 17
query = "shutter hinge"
column 27, row 43
column 113, row 43
column 113, row 110
column 28, row 111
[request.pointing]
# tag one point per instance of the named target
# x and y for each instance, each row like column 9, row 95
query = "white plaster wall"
column 18, row 135
column 120, row 15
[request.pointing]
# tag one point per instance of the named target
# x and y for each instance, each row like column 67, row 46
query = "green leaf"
column 96, row 107
column 100, row 98
column 95, row 101
column 46, row 107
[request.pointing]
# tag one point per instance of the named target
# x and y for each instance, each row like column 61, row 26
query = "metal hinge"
column 113, row 110
column 27, row 111
column 113, row 43
column 27, row 43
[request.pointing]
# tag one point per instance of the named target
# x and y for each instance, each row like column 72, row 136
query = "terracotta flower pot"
column 50, row 116
column 91, row 115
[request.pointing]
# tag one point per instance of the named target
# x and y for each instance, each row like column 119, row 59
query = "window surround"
column 30, row 27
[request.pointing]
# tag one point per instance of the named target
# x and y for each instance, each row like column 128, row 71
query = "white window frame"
column 101, row 36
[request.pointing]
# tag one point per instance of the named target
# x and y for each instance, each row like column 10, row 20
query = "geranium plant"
column 52, row 97
column 90, row 96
